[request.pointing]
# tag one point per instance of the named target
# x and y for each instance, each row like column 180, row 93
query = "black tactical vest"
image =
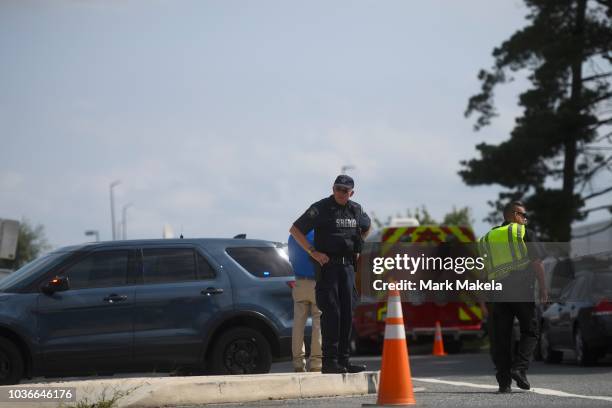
column 337, row 231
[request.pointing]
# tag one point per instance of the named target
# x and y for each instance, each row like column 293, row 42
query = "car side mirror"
column 57, row 284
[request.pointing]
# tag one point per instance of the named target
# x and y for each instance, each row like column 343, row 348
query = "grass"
column 108, row 399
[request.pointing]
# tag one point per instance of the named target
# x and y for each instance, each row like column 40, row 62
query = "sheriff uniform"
column 338, row 230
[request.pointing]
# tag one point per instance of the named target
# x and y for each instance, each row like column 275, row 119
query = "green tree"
column 422, row 215
column 563, row 136
column 31, row 243
column 461, row 216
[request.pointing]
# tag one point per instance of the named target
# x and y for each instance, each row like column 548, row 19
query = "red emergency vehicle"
column 459, row 320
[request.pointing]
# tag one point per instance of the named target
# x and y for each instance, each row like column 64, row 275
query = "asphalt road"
column 467, row 380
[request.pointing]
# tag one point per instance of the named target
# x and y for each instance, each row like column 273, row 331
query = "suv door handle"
column 211, row 291
column 112, row 298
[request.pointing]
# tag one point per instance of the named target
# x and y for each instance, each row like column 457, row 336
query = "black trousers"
column 501, row 347
column 335, row 295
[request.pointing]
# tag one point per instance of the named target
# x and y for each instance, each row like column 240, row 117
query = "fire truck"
column 459, row 320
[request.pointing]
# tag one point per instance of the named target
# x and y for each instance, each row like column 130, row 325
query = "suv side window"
column 205, row 270
column 99, row 270
column 166, row 265
column 263, row 262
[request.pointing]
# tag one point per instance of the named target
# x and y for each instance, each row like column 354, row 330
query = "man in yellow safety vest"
column 512, row 258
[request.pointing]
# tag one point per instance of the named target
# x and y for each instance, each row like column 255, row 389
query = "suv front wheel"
column 241, row 350
column 11, row 363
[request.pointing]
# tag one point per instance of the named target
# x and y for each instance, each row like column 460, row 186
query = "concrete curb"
column 175, row 391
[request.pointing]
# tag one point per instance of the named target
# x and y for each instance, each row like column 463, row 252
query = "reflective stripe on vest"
column 505, row 249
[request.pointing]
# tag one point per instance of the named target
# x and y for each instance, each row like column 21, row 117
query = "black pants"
column 335, row 298
column 491, row 330
column 503, row 321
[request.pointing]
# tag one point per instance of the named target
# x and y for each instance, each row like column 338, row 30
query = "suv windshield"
column 22, row 275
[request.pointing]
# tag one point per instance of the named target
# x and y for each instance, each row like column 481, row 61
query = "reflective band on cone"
column 394, row 298
column 394, row 308
column 395, row 331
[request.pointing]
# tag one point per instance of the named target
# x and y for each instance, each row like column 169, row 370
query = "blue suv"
column 219, row 306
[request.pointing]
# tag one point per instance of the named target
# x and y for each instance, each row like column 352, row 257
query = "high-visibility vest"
column 505, row 250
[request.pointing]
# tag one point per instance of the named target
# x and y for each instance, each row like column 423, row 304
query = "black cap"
column 344, row 181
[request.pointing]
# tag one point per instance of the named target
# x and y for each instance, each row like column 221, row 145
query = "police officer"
column 340, row 226
column 511, row 262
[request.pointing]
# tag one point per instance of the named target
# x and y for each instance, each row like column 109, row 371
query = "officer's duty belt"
column 341, row 260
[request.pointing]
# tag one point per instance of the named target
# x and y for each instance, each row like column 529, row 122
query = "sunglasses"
column 342, row 189
column 522, row 214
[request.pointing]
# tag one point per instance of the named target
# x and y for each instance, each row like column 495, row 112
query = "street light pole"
column 94, row 233
column 346, row 168
column 124, row 219
column 112, row 203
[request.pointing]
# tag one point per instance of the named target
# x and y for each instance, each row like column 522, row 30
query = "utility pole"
column 124, row 219
column 112, row 204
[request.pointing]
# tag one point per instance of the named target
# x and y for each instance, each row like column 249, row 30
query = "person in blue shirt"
column 304, row 304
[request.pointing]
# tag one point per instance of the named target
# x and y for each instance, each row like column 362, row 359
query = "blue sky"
column 224, row 117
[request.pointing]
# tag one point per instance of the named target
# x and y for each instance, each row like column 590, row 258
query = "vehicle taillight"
column 603, row 308
column 291, row 284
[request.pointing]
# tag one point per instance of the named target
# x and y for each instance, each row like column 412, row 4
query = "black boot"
column 521, row 379
column 504, row 389
column 504, row 380
column 332, row 367
column 352, row 368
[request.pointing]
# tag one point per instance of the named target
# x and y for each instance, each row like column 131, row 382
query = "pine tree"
column 563, row 135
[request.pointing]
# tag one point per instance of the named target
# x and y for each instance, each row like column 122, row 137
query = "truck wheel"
column 357, row 345
column 584, row 355
column 548, row 354
column 453, row 346
column 11, row 363
column 241, row 350
column 354, row 346
column 537, row 353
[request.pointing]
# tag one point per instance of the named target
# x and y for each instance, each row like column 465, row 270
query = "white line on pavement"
column 542, row 391
column 458, row 383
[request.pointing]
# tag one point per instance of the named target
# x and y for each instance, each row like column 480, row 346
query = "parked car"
column 218, row 306
column 581, row 320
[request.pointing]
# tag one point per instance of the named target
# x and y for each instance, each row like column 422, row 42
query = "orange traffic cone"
column 395, row 386
column 438, row 348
